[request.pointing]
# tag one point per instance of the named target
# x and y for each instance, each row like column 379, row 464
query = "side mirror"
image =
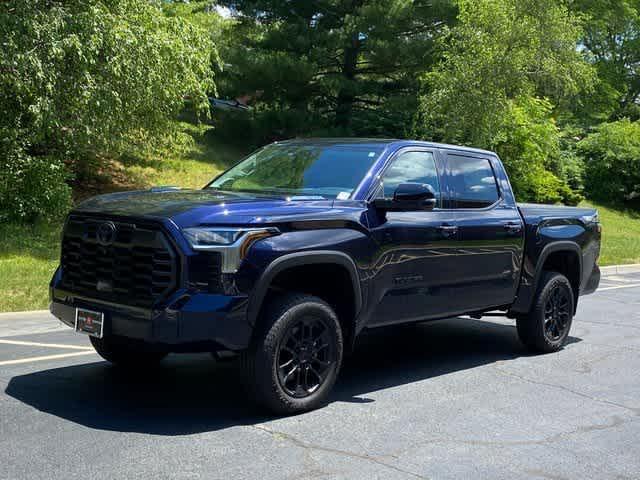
column 409, row 197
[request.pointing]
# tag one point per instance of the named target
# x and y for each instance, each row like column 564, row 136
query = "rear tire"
column 294, row 361
column 546, row 327
column 126, row 354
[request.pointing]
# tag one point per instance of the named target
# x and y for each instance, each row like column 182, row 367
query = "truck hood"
column 189, row 208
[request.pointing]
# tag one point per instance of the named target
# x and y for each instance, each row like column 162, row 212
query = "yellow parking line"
column 49, row 345
column 618, row 287
column 46, row 357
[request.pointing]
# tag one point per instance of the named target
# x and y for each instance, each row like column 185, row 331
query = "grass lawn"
column 29, row 254
column 189, row 157
column 620, row 235
column 28, row 258
column 192, row 159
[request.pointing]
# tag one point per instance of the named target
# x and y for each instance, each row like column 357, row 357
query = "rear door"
column 490, row 231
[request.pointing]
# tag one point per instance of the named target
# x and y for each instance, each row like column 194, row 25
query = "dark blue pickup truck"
column 285, row 258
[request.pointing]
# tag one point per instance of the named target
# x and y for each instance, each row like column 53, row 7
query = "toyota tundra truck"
column 287, row 257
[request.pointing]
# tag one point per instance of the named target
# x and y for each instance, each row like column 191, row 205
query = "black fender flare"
column 296, row 260
column 563, row 245
column 557, row 247
column 527, row 292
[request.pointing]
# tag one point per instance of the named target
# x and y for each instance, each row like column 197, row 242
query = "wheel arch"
column 564, row 257
column 299, row 261
column 554, row 257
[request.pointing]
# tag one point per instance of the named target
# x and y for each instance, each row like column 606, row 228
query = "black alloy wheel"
column 296, row 355
column 557, row 313
column 546, row 327
column 305, row 356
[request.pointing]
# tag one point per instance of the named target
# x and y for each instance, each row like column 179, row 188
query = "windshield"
column 313, row 171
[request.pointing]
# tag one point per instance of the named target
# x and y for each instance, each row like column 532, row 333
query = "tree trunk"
column 346, row 95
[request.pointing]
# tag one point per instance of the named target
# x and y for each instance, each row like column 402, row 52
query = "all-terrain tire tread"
column 531, row 326
column 256, row 362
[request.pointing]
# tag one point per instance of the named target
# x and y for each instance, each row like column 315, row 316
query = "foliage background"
column 104, row 95
column 81, row 80
column 548, row 84
column 530, row 79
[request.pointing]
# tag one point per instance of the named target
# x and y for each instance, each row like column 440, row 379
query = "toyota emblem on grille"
column 106, row 233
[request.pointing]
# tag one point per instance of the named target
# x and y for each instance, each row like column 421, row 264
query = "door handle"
column 448, row 231
column 513, row 227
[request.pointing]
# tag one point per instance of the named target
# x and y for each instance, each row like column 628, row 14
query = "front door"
column 411, row 268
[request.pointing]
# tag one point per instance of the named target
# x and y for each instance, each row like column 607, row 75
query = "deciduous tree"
column 504, row 67
column 79, row 78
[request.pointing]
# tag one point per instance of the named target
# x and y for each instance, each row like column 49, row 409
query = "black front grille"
column 136, row 265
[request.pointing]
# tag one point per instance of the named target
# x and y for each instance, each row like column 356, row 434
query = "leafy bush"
column 80, row 77
column 570, row 165
column 30, row 187
column 530, row 149
column 612, row 161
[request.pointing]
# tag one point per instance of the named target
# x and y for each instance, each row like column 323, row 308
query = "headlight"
column 595, row 218
column 201, row 238
column 233, row 243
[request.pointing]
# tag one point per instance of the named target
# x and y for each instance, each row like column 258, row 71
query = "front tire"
column 126, row 354
column 293, row 364
column 546, row 327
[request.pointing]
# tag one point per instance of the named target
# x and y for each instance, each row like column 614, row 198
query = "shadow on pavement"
column 191, row 393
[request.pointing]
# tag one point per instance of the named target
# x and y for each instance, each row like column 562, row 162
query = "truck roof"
column 387, row 142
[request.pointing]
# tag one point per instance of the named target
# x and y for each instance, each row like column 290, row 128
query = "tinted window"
column 473, row 182
column 411, row 167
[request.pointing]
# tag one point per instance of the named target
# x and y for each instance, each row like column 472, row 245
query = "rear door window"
column 472, row 182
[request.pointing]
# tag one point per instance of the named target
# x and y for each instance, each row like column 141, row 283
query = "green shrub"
column 612, row 161
column 31, row 187
column 570, row 164
column 529, row 144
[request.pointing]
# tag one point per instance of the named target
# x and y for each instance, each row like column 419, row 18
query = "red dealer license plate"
column 89, row 322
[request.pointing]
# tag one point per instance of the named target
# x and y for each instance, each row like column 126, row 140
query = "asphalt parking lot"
column 452, row 399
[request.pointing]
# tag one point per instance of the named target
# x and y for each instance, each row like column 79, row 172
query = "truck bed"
column 537, row 212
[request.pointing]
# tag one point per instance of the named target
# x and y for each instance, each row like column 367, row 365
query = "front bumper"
column 188, row 321
column 191, row 314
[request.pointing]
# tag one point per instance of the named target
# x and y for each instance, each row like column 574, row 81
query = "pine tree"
column 346, row 66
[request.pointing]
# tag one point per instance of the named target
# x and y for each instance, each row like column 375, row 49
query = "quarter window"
column 410, row 167
column 473, row 182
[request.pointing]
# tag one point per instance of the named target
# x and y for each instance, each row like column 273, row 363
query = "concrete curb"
column 606, row 272
column 33, row 314
column 620, row 269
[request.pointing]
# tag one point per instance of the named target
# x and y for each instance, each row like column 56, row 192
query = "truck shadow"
column 192, row 394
